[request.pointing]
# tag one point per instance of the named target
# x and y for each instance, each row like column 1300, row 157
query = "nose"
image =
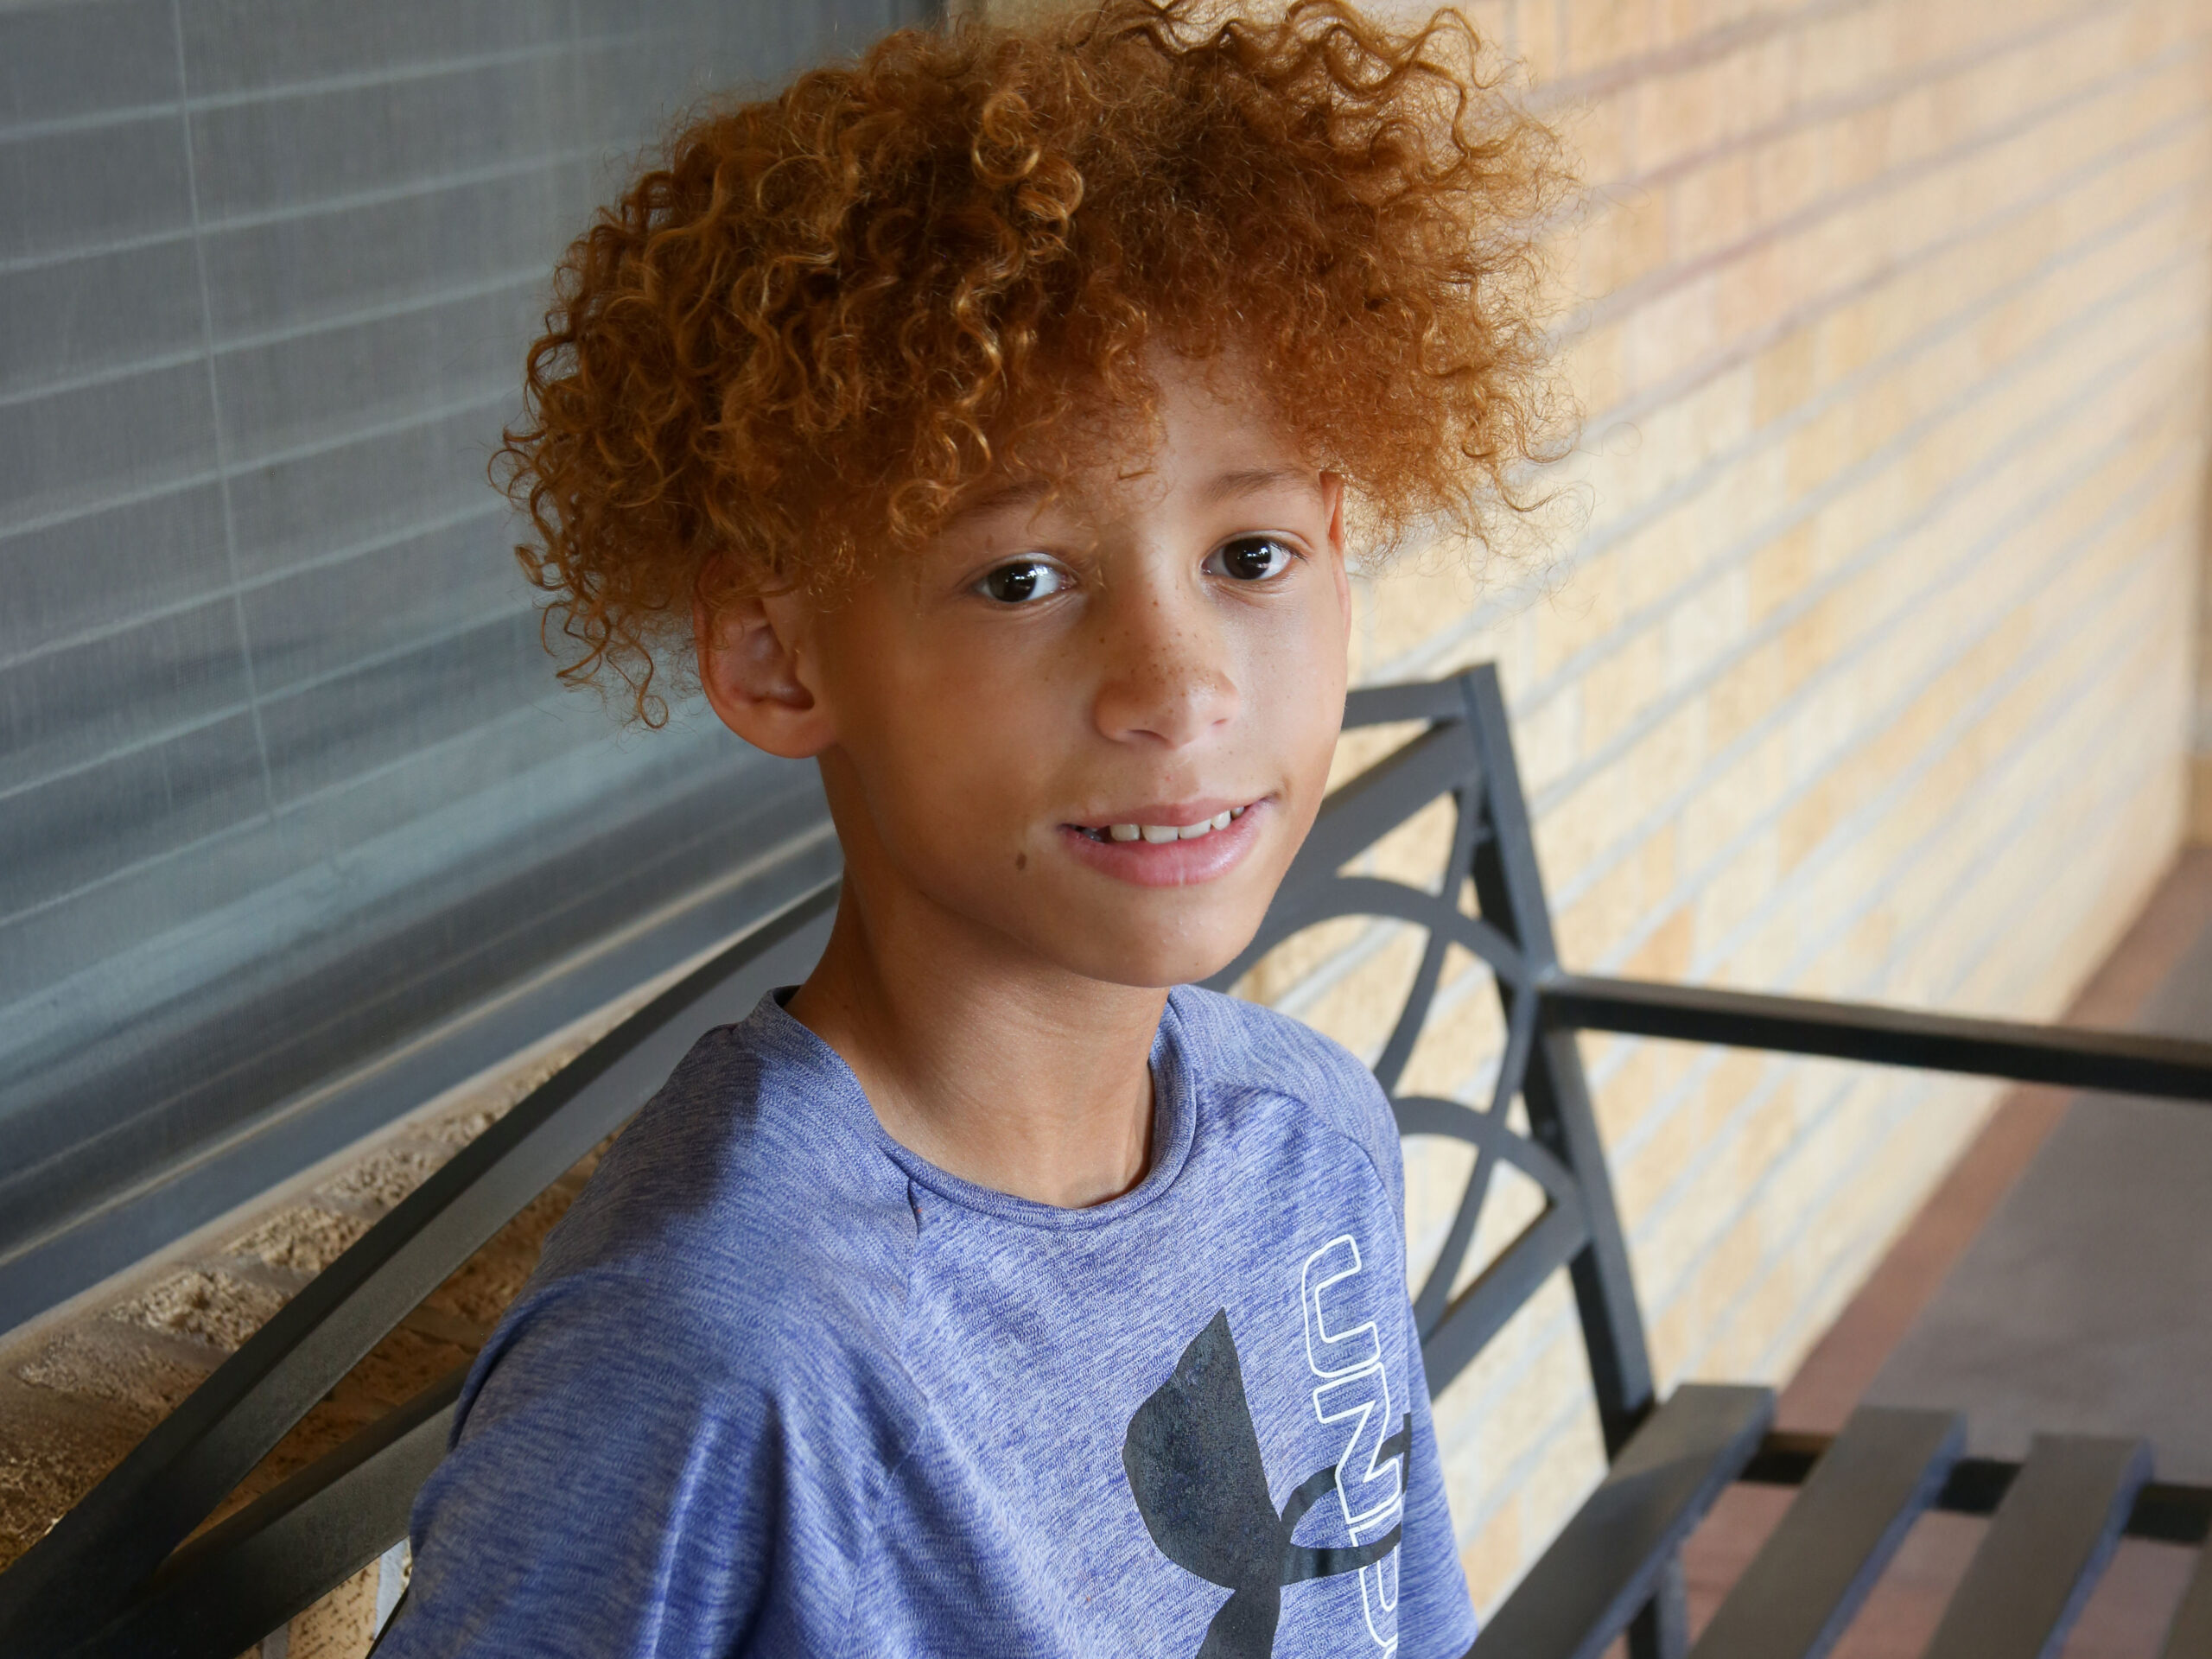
column 1168, row 677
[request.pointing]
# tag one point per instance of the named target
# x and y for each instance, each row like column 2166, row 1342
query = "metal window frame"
column 779, row 820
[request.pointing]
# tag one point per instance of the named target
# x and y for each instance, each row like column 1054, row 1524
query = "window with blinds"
column 286, row 782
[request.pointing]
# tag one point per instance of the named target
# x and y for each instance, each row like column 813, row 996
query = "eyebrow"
column 1224, row 486
column 1026, row 493
column 1252, row 480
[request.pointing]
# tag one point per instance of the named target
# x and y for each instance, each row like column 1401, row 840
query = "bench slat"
column 2046, row 1548
column 290, row 1548
column 2189, row 1636
column 1804, row 1586
column 1606, row 1565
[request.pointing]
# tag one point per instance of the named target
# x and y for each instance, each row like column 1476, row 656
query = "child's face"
column 1161, row 647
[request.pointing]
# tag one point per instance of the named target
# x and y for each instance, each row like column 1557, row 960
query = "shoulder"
column 1260, row 1046
column 1239, row 1045
column 746, row 1205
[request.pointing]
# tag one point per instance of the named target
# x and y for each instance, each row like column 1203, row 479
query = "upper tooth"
column 1159, row 834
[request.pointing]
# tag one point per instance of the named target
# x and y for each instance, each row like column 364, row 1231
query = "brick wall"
column 1867, row 667
column 1867, row 670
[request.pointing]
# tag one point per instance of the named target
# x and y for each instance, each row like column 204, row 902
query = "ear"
column 755, row 662
column 1332, row 496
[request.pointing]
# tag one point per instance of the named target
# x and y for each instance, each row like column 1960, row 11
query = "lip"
column 1173, row 863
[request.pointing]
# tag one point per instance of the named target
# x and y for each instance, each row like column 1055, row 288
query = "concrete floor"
column 2085, row 1305
column 2060, row 1278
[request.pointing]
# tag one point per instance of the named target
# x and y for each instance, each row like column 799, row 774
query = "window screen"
column 285, row 779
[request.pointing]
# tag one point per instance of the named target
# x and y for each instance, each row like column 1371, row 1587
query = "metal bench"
column 111, row 1579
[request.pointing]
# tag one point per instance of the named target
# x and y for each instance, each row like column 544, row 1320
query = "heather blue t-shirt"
column 781, row 1387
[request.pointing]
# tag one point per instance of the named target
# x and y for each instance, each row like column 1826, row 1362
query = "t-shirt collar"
column 1175, row 1113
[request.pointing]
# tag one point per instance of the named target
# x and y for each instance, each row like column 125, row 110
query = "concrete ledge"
column 80, row 1387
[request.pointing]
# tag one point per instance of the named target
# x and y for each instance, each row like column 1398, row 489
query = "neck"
column 1006, row 1071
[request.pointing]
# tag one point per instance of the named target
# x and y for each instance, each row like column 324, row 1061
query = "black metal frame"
column 110, row 1578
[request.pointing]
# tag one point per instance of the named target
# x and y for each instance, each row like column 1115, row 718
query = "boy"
column 990, row 413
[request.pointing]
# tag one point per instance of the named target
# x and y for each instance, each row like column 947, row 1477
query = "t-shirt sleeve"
column 1436, row 1617
column 1376, row 1127
column 613, row 1488
column 1337, row 1085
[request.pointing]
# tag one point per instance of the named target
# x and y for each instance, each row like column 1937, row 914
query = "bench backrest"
column 106, row 1576
column 1487, row 899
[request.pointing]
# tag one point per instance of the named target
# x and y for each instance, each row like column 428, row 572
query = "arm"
column 614, row 1487
column 1436, row 1619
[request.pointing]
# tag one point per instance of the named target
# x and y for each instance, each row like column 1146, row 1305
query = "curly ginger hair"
column 796, row 344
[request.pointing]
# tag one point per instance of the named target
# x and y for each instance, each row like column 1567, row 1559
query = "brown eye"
column 1252, row 558
column 1021, row 580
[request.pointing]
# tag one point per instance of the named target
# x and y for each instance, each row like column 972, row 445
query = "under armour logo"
column 1193, row 1461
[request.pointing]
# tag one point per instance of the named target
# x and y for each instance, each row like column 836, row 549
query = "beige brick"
column 1493, row 24
column 1720, row 1280
column 1619, row 898
column 1600, row 33
column 1361, row 1006
column 1779, row 570
column 1288, row 965
column 1666, row 756
column 1659, row 560
column 1710, row 208
column 1597, row 133
column 1677, row 22
column 1822, row 448
column 1572, row 620
column 1556, row 1487
column 1619, row 688
column 1597, row 368
column 1493, row 1562
column 1547, row 741
column 1747, row 692
column 1757, row 287
column 1665, row 952
column 1782, row 377
column 1627, row 1092
column 1642, row 458
column 1675, row 330
column 1704, row 626
column 1622, row 237
column 1569, row 837
column 1417, row 599
column 1789, row 172
column 1860, row 147
column 1539, row 40
column 1719, row 414
column 1681, row 115
column 1464, row 1029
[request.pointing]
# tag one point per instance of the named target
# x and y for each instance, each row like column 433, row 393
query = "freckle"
column 1022, row 861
